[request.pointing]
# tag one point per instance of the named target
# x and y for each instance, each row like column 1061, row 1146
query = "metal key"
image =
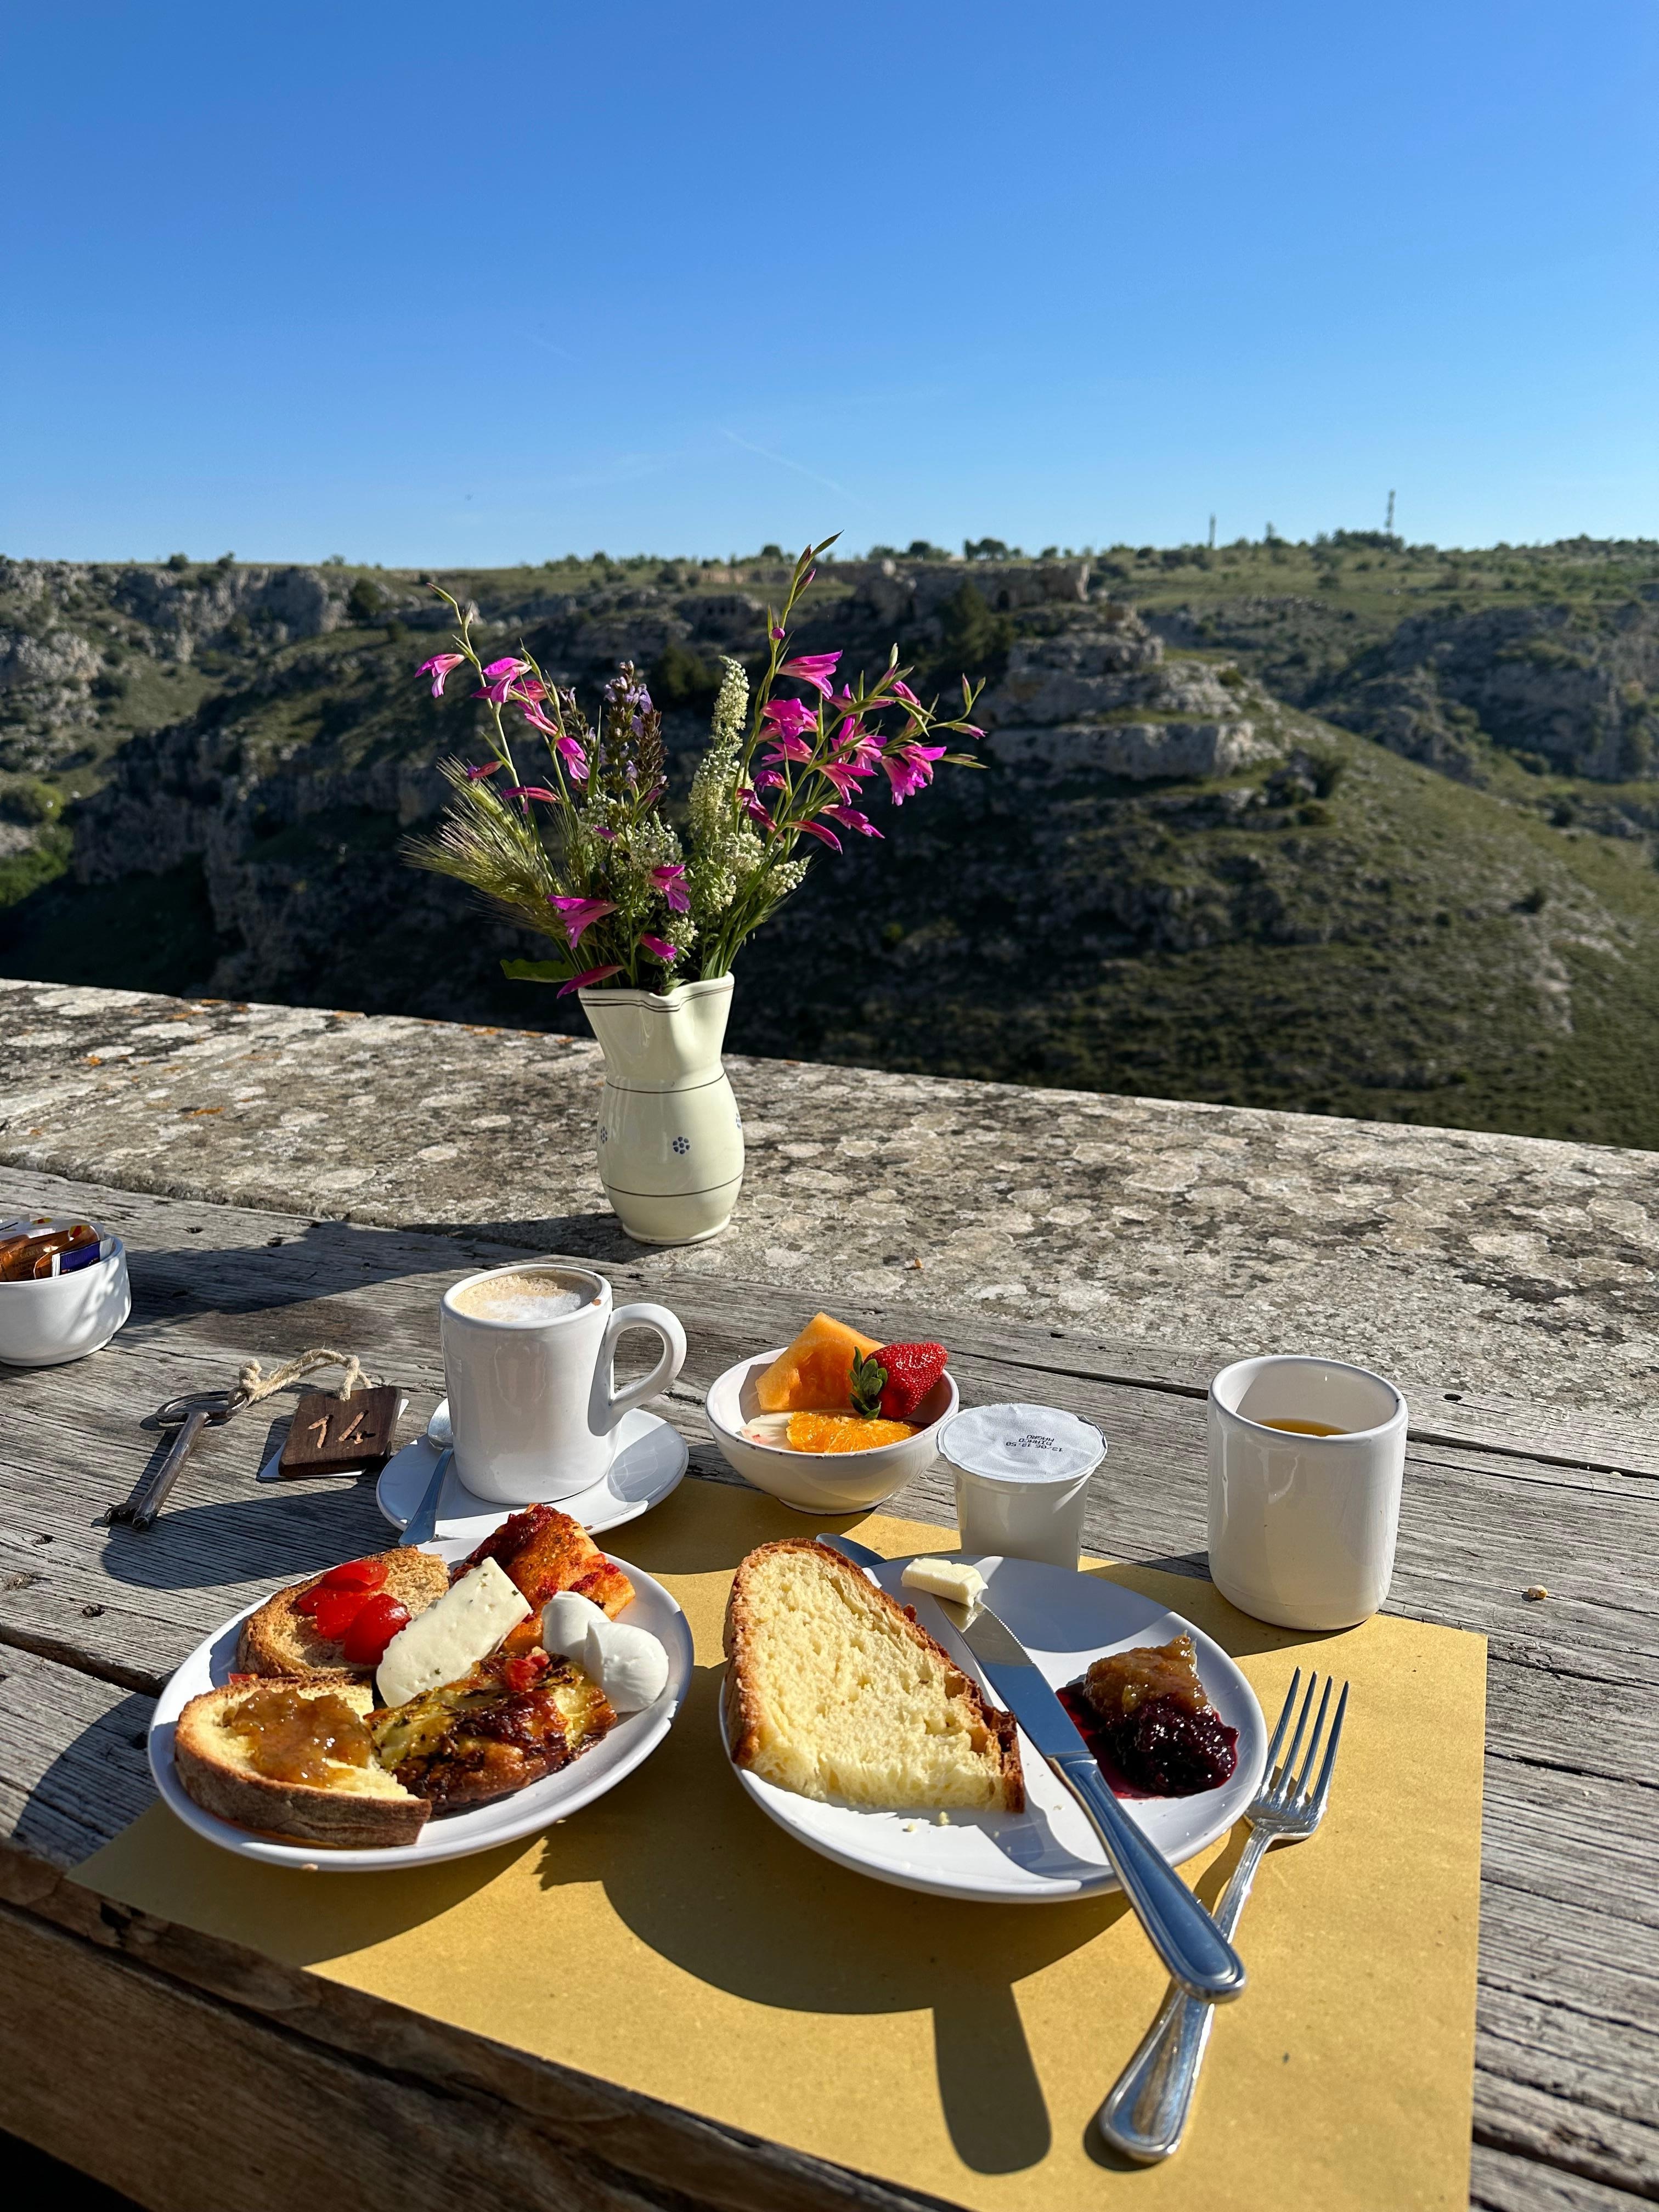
column 189, row 1416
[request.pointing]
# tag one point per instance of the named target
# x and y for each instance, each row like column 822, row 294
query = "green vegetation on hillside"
column 1435, row 901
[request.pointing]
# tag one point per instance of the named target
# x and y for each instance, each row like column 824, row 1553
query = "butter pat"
column 440, row 1645
column 948, row 1578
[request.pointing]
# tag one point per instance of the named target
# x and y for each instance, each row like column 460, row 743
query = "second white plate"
column 1050, row 1851
column 651, row 1457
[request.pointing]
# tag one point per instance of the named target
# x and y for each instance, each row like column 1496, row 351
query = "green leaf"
column 965, row 760
column 538, row 971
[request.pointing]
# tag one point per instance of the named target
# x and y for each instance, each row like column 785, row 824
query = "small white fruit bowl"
column 818, row 1482
column 62, row 1317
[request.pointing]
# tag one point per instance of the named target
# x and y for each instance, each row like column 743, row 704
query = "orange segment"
column 814, row 1374
column 843, row 1432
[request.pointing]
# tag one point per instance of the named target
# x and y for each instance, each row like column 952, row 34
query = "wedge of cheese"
column 440, row 1645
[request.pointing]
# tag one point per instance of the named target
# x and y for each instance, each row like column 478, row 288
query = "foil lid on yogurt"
column 1021, row 1444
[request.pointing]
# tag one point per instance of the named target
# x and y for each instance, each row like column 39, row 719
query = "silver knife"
column 421, row 1525
column 1198, row 1955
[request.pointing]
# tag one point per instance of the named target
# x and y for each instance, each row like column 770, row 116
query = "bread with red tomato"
column 282, row 1638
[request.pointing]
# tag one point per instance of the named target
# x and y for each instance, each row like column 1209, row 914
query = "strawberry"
column 894, row 1381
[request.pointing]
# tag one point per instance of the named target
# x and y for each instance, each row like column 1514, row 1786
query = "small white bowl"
column 63, row 1317
column 820, row 1482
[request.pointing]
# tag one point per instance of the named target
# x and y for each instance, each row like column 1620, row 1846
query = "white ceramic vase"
column 670, row 1137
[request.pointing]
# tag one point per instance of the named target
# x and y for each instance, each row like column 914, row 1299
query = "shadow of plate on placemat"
column 775, row 1924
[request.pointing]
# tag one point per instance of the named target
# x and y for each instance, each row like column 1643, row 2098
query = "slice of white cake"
column 834, row 1691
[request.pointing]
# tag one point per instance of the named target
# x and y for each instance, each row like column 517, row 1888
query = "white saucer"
column 651, row 1457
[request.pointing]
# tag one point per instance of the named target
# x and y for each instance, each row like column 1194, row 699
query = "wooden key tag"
column 333, row 1435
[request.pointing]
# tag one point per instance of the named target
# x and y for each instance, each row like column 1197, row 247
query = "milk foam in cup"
column 1022, row 1475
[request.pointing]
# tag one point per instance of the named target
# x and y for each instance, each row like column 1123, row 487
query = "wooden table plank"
column 1568, row 2065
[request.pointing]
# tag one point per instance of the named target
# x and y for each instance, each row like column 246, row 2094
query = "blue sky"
column 422, row 284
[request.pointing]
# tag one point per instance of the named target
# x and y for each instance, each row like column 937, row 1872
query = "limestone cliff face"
column 1097, row 696
column 1573, row 690
column 1540, row 680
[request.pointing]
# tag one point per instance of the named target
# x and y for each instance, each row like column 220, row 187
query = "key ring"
column 216, row 1406
column 186, row 1416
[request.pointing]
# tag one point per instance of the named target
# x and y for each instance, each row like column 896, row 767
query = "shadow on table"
column 332, row 1259
column 746, row 1909
column 269, row 1533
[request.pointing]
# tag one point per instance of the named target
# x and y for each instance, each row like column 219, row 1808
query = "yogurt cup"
column 1022, row 1476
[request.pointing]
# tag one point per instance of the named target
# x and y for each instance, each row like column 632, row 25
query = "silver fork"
column 1146, row 2115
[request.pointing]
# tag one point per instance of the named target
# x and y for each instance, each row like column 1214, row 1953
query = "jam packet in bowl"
column 74, row 1305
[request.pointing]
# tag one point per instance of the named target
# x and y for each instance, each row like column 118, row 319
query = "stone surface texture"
column 1452, row 1260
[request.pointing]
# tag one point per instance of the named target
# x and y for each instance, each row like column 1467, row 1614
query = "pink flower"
column 486, row 768
column 531, row 791
column 768, row 780
column 752, row 808
column 910, row 770
column 660, row 948
column 847, row 775
column 854, row 742
column 850, row 818
column 503, row 675
column 777, row 634
column 813, row 668
column 580, row 914
column 817, row 829
column 593, row 976
column 795, row 749
column 790, row 718
column 903, row 691
column 671, row 882
column 968, row 730
column 568, row 748
column 440, row 668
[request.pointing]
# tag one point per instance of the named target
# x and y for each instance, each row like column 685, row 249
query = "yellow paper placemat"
column 672, row 1939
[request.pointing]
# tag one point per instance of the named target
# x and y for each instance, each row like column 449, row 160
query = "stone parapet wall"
column 1456, row 1260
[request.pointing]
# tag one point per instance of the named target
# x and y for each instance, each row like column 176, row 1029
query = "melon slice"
column 814, row 1376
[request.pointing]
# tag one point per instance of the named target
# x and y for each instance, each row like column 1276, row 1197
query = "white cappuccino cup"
column 529, row 1354
column 1303, row 1524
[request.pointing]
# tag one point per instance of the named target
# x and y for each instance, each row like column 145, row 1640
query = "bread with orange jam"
column 294, row 1759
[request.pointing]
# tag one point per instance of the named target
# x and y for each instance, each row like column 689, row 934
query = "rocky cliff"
column 1172, row 878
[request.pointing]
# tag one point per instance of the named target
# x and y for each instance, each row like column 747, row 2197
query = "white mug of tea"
column 528, row 1363
column 1306, row 1460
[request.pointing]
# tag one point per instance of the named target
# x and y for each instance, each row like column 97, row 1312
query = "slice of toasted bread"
column 278, row 1639
column 354, row 1807
column 544, row 1550
column 833, row 1690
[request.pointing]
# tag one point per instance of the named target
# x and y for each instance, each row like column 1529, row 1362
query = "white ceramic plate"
column 1050, row 1851
column 453, row 1835
column 651, row 1457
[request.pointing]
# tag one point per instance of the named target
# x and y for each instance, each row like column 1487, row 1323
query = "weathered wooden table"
column 156, row 2058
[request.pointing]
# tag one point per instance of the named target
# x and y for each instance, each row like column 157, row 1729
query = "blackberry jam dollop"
column 1167, row 1750
column 1145, row 1716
